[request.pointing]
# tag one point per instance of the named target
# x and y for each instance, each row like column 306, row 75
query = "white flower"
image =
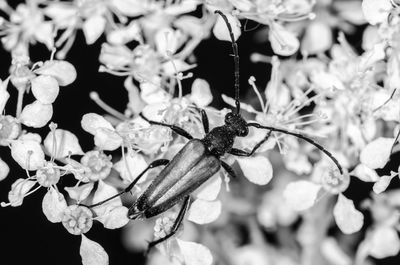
column 10, row 128
column 48, row 175
column 98, row 165
column 19, row 189
column 77, row 219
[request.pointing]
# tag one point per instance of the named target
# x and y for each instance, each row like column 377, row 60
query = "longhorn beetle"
column 198, row 160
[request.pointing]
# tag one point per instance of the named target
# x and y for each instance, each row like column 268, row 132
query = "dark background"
column 25, row 233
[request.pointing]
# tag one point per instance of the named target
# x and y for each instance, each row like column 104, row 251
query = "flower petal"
column 4, row 169
column 53, row 205
column 93, row 27
column 347, row 217
column 382, row 184
column 116, row 218
column 376, row 11
column 221, row 31
column 283, row 42
column 201, row 93
column 210, row 189
column 384, row 242
column 92, row 253
column 107, row 139
column 376, row 154
column 132, row 167
column 91, row 122
column 28, row 154
column 301, row 195
column 36, row 114
column 256, row 169
column 45, row 89
column 62, row 71
column 204, row 212
column 194, row 253
column 79, row 193
column 66, row 143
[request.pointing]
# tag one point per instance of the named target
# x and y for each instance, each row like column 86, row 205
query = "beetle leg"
column 175, row 227
column 238, row 152
column 228, row 169
column 156, row 163
column 204, row 120
column 176, row 129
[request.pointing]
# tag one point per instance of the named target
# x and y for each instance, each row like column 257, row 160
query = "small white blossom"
column 19, row 190
column 77, row 219
column 98, row 165
column 48, row 175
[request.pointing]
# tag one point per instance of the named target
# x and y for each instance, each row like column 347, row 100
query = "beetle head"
column 235, row 122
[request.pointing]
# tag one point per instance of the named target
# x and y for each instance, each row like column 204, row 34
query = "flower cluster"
column 321, row 87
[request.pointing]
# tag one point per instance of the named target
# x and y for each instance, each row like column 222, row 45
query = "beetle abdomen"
column 190, row 168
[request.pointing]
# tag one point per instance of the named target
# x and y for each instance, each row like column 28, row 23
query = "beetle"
column 199, row 159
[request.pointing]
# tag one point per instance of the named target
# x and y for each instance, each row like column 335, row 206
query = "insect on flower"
column 198, row 160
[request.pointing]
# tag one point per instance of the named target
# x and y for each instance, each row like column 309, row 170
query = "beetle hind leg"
column 175, row 227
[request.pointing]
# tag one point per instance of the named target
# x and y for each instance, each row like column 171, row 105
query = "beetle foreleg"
column 238, row 152
column 228, row 169
column 176, row 129
column 204, row 120
column 175, row 227
column 156, row 163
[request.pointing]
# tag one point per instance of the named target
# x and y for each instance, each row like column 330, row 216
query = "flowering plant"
column 290, row 203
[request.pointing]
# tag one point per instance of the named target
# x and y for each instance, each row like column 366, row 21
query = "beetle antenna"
column 301, row 136
column 235, row 59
